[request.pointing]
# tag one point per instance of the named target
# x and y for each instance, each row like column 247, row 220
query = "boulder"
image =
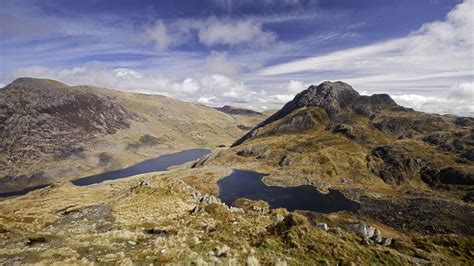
column 285, row 161
column 377, row 237
column 322, row 226
column 366, row 231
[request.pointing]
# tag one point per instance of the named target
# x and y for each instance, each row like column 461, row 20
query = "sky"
column 253, row 54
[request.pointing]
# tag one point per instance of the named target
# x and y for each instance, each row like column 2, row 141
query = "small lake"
column 248, row 184
column 153, row 165
column 160, row 163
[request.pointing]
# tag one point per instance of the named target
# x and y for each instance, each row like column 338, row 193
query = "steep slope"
column 53, row 131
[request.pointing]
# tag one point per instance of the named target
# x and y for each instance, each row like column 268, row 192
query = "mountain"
column 237, row 111
column 387, row 157
column 406, row 175
column 49, row 130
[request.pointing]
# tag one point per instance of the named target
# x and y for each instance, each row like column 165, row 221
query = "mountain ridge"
column 50, row 130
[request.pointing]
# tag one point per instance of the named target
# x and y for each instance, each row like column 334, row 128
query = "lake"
column 160, row 163
column 248, row 184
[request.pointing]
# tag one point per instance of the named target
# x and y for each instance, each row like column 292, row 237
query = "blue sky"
column 254, row 54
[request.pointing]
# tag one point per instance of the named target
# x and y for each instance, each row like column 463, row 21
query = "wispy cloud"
column 435, row 57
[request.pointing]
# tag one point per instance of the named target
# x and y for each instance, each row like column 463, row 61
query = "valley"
column 333, row 177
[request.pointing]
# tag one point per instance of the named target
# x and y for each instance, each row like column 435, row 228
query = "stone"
column 377, row 237
column 322, row 226
column 285, row 161
column 196, row 209
column 366, row 241
column 222, row 251
column 235, row 209
column 279, row 217
column 126, row 262
column 387, row 241
column 258, row 209
column 362, row 229
column 252, row 261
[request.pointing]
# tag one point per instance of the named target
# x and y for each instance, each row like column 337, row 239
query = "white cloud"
column 206, row 100
column 160, row 36
column 217, row 62
column 210, row 32
column 215, row 31
column 437, row 105
column 463, row 91
column 189, row 86
column 428, row 61
column 295, row 86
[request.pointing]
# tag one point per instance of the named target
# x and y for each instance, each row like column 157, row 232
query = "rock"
column 252, row 261
column 280, row 262
column 377, row 237
column 222, row 251
column 322, row 226
column 209, row 199
column 126, row 262
column 278, row 218
column 387, row 241
column 285, row 161
column 395, row 163
column 362, row 229
column 196, row 209
column 366, row 241
column 464, row 121
column 235, row 209
column 448, row 175
column 258, row 209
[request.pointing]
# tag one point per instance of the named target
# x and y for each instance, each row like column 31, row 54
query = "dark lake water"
column 153, row 165
column 160, row 163
column 248, row 184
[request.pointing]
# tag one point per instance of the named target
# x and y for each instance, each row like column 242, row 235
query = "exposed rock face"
column 237, row 111
column 338, row 99
column 40, row 116
column 448, row 175
column 398, row 162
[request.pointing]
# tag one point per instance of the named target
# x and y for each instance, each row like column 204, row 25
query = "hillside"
column 50, row 131
column 377, row 152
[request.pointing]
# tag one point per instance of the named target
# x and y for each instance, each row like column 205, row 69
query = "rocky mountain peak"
column 338, row 99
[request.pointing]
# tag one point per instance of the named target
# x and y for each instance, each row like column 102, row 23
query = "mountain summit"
column 339, row 101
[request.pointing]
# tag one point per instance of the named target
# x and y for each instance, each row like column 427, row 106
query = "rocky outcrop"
column 448, row 175
column 338, row 99
column 395, row 163
column 39, row 116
